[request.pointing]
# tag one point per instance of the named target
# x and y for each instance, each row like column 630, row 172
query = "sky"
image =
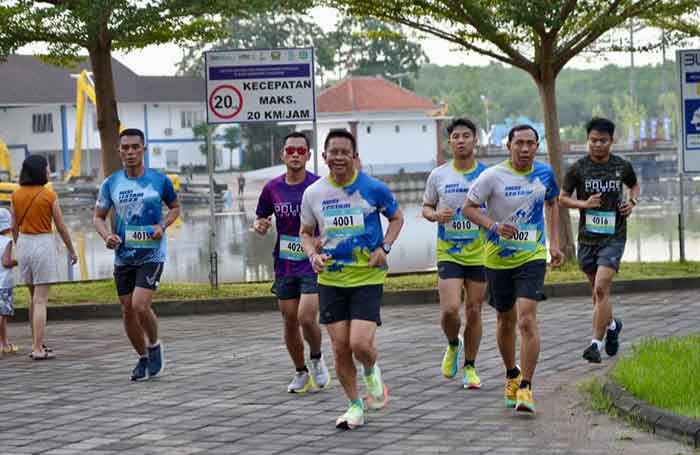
column 162, row 60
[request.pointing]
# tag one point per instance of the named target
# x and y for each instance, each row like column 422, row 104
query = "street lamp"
column 485, row 100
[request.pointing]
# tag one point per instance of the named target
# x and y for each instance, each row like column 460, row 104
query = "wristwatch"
column 163, row 226
column 386, row 247
column 633, row 201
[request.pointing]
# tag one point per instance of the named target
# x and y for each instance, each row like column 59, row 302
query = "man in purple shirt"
column 295, row 280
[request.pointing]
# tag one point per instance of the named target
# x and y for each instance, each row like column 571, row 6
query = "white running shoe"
column 301, row 383
column 320, row 374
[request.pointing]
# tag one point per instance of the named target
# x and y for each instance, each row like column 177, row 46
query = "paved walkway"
column 224, row 390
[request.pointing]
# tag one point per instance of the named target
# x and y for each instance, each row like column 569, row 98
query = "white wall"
column 383, row 145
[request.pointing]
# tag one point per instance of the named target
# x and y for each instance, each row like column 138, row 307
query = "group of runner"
column 331, row 253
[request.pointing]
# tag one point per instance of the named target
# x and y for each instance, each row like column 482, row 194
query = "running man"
column 517, row 192
column 137, row 194
column 351, row 266
column 295, row 280
column 598, row 180
column 460, row 251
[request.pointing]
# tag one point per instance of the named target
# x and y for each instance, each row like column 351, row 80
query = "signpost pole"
column 213, row 259
column 315, row 144
column 681, row 216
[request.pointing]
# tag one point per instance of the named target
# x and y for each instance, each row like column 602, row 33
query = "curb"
column 658, row 421
column 414, row 297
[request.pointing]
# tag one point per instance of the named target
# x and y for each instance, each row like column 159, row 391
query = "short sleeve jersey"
column 137, row 205
column 460, row 240
column 284, row 201
column 33, row 205
column 348, row 220
column 586, row 178
column 517, row 198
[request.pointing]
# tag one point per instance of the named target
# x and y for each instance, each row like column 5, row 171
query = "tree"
column 537, row 36
column 206, row 133
column 68, row 27
column 232, row 140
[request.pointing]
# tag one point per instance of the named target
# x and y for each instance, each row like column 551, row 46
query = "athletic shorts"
column 590, row 257
column 507, row 285
column 345, row 304
column 146, row 276
column 291, row 287
column 448, row 270
column 7, row 302
column 37, row 258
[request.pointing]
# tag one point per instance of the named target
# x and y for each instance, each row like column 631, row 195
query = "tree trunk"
column 547, row 88
column 107, row 115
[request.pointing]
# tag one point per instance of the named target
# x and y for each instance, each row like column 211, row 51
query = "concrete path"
column 224, row 390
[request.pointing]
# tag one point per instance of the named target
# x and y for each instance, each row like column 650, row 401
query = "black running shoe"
column 612, row 339
column 592, row 354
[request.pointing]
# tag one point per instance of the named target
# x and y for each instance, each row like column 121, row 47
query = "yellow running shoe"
column 450, row 361
column 511, row 391
column 525, row 403
column 471, row 379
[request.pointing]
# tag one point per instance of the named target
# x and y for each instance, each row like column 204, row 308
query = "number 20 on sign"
column 226, row 102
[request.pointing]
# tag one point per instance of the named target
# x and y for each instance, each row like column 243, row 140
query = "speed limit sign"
column 225, row 102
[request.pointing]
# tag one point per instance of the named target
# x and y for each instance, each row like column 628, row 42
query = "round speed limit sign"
column 225, row 101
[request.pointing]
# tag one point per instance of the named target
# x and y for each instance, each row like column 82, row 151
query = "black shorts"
column 128, row 277
column 291, row 287
column 448, row 270
column 507, row 285
column 608, row 254
column 345, row 304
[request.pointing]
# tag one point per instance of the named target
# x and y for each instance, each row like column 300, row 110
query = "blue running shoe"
column 612, row 339
column 156, row 360
column 140, row 372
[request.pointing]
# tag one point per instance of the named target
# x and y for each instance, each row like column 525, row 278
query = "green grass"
column 664, row 373
column 104, row 291
column 599, row 400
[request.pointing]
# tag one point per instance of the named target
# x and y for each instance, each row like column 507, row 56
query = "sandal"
column 46, row 348
column 46, row 355
column 10, row 349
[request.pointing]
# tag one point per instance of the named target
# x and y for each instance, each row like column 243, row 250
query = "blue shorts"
column 507, row 285
column 449, row 270
column 291, row 287
column 7, row 302
column 590, row 257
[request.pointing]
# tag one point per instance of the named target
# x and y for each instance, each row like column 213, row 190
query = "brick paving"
column 224, row 389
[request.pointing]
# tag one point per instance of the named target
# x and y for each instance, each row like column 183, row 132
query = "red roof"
column 370, row 94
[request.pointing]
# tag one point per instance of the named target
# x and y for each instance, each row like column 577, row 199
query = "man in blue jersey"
column 136, row 195
column 516, row 193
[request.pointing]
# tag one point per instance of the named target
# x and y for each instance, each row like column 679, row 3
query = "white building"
column 394, row 127
column 38, row 115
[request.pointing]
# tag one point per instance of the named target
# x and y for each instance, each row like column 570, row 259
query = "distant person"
column 460, row 251
column 295, row 280
column 598, row 180
column 241, row 184
column 351, row 263
column 517, row 192
column 34, row 208
column 137, row 195
column 7, row 282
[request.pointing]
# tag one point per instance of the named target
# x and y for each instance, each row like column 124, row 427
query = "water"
column 245, row 256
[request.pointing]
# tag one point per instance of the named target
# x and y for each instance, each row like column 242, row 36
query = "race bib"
column 140, row 237
column 461, row 228
column 600, row 222
column 290, row 248
column 524, row 240
column 344, row 222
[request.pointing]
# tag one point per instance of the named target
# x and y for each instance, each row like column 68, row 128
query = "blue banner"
column 223, row 73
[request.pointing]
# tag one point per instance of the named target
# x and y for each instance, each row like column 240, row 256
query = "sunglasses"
column 292, row 150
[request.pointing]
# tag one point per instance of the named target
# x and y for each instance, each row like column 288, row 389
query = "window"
column 42, row 123
column 171, row 161
column 424, row 128
column 369, row 130
column 189, row 119
column 397, row 128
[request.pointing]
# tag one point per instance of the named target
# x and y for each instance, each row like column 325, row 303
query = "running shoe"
column 612, row 339
column 319, row 371
column 511, row 391
column 353, row 418
column 450, row 361
column 525, row 403
column 592, row 354
column 156, row 360
column 301, row 383
column 140, row 371
column 471, row 380
column 377, row 391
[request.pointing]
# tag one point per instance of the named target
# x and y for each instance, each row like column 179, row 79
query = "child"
column 6, row 281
